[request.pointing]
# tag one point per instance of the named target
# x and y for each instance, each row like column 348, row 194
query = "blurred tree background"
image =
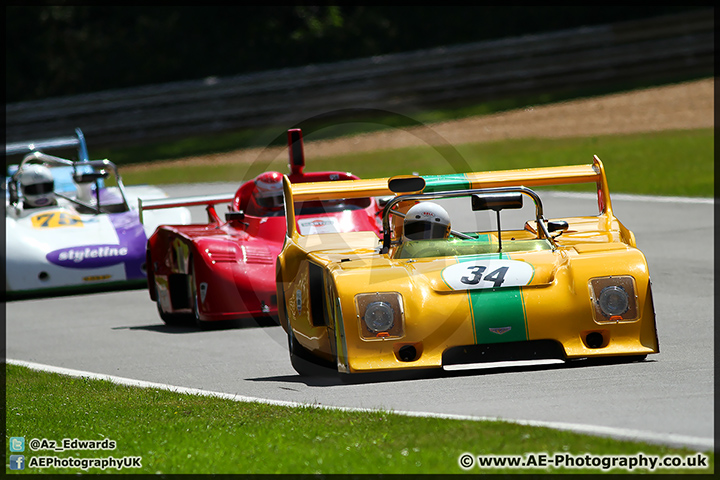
column 72, row 49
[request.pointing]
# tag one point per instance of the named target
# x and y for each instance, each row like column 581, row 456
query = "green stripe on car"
column 498, row 314
column 442, row 183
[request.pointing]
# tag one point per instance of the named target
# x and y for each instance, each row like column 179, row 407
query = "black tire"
column 305, row 363
column 196, row 307
column 170, row 319
column 193, row 300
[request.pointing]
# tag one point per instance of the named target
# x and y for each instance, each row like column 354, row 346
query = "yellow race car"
column 425, row 295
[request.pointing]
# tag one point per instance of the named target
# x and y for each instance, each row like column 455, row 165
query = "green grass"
column 191, row 434
column 357, row 121
column 675, row 163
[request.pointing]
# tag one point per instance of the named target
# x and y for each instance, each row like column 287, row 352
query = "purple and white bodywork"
column 91, row 239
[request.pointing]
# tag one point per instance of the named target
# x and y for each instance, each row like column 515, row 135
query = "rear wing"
column 296, row 164
column 23, row 148
column 200, row 200
column 62, row 174
column 530, row 177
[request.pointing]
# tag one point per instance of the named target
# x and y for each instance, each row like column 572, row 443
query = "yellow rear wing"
column 530, row 177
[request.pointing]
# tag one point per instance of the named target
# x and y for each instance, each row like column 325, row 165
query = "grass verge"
column 358, row 121
column 673, row 163
column 191, row 434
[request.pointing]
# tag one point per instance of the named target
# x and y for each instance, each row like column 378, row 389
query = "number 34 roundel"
column 487, row 273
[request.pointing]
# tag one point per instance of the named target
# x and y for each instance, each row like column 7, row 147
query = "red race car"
column 224, row 270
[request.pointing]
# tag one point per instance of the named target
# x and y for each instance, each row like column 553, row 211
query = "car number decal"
column 56, row 219
column 487, row 273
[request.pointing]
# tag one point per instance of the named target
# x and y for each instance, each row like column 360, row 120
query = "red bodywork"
column 226, row 269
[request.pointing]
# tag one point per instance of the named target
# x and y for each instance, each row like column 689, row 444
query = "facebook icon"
column 17, row 462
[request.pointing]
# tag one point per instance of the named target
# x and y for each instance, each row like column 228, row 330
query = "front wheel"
column 194, row 303
column 170, row 319
column 304, row 362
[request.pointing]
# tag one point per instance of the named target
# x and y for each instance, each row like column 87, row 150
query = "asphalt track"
column 668, row 398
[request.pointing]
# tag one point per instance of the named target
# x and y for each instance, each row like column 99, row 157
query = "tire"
column 304, row 362
column 170, row 319
column 193, row 301
column 196, row 307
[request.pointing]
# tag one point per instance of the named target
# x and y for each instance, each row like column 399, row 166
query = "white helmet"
column 426, row 220
column 37, row 185
column 269, row 190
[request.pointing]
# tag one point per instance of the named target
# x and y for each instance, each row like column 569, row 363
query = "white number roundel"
column 488, row 273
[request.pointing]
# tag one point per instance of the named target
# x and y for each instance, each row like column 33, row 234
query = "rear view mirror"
column 89, row 177
column 497, row 201
column 382, row 201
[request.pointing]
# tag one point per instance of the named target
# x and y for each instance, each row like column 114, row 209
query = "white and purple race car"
column 89, row 237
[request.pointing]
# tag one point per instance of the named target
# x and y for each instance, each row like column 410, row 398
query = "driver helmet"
column 37, row 186
column 269, row 190
column 426, row 220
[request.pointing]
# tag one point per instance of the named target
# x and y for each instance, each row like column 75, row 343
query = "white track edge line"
column 618, row 433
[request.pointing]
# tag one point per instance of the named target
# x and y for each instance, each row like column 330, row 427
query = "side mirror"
column 89, row 177
column 234, row 216
column 497, row 201
column 557, row 225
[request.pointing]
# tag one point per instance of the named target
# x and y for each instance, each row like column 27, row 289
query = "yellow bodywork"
column 324, row 280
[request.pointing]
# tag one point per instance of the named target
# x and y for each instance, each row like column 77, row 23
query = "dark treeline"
column 65, row 50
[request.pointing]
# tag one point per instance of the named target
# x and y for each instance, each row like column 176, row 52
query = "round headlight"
column 613, row 300
column 379, row 317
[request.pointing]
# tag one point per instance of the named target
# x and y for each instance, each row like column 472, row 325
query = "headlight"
column 380, row 315
column 613, row 301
